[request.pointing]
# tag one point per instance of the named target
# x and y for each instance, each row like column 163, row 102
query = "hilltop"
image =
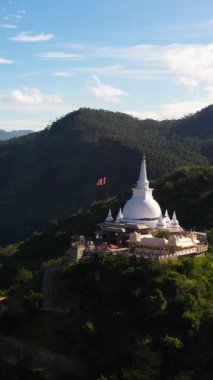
column 53, row 173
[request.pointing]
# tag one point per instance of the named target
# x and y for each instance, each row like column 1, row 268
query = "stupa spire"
column 167, row 218
column 174, row 222
column 161, row 224
column 119, row 216
column 143, row 182
column 109, row 217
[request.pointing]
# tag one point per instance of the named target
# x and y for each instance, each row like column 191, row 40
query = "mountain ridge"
column 53, row 173
column 7, row 135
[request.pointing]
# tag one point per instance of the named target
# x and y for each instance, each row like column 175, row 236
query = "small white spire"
column 174, row 222
column 167, row 219
column 143, row 182
column 109, row 217
column 119, row 216
column 161, row 224
column 166, row 214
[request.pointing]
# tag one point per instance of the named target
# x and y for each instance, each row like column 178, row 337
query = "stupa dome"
column 142, row 208
column 145, row 211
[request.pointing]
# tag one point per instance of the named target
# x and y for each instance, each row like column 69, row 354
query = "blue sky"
column 147, row 58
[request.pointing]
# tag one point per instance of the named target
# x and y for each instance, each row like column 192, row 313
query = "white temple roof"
column 154, row 242
column 181, row 241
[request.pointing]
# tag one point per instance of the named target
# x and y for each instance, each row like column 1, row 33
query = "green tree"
column 172, row 344
column 156, row 302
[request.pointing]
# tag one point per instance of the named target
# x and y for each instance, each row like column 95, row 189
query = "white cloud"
column 190, row 64
column 74, row 46
column 143, row 114
column 30, row 74
column 194, row 63
column 30, row 37
column 105, row 92
column 174, row 110
column 5, row 61
column 16, row 16
column 22, row 11
column 61, row 56
column 181, row 109
column 14, row 124
column 32, row 96
column 119, row 71
column 8, row 26
column 65, row 74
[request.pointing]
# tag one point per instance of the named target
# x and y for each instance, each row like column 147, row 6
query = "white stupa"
column 109, row 217
column 119, row 216
column 174, row 222
column 142, row 208
column 161, row 224
column 167, row 219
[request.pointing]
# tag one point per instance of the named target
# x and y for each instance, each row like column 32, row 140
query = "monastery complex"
column 142, row 230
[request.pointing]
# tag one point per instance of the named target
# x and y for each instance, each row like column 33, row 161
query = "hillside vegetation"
column 191, row 197
column 53, row 173
column 129, row 318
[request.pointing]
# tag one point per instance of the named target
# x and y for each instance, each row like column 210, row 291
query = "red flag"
column 101, row 181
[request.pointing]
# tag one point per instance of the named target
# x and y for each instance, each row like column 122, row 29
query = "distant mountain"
column 53, row 173
column 4, row 135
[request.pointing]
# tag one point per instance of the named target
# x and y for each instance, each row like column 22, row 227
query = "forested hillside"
column 191, row 197
column 129, row 318
column 53, row 173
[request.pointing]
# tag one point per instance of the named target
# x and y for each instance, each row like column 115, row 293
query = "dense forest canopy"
column 129, row 318
column 53, row 173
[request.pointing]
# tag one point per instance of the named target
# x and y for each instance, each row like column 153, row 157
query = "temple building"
column 137, row 226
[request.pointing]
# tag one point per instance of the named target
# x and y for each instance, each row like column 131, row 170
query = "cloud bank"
column 8, row 26
column 30, row 37
column 4, row 61
column 32, row 96
column 60, row 56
